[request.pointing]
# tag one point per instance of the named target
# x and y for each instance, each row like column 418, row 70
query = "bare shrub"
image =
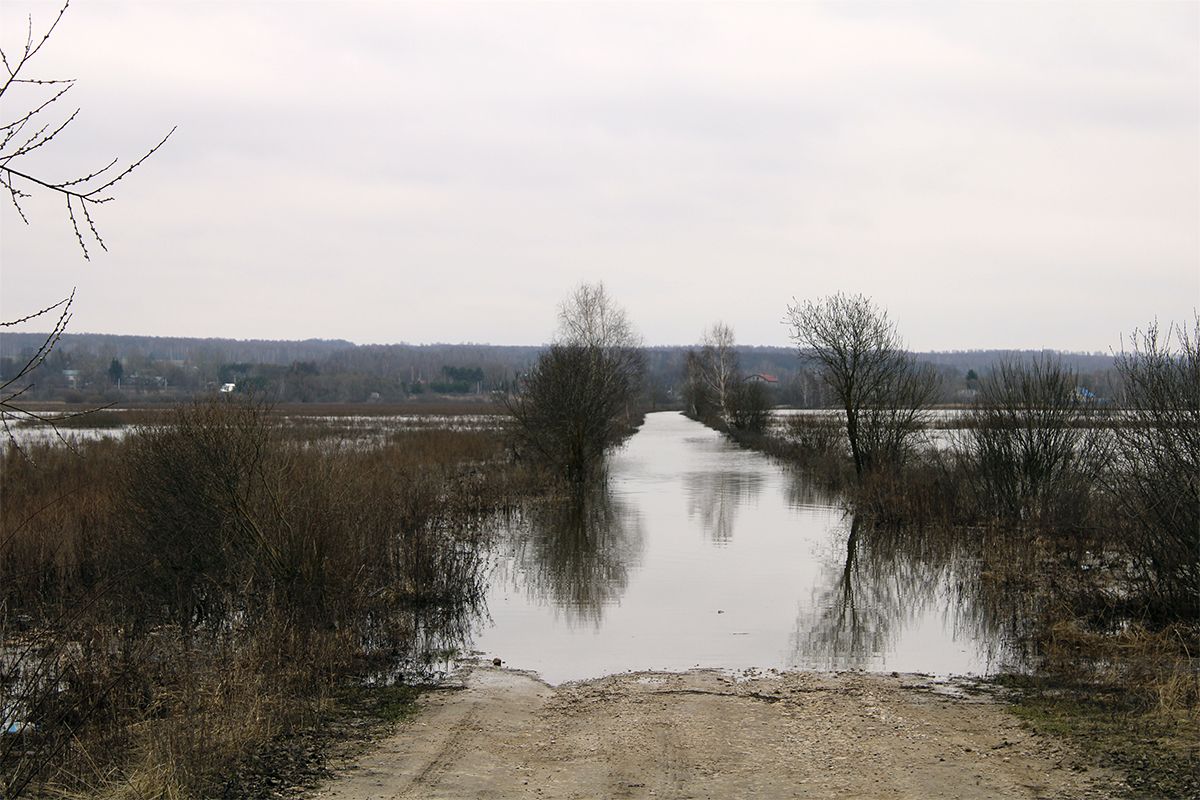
column 191, row 503
column 1156, row 479
column 571, row 409
column 578, row 399
column 698, row 399
column 1031, row 445
column 749, row 407
column 892, row 425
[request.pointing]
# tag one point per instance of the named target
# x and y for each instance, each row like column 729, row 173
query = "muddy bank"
column 707, row 735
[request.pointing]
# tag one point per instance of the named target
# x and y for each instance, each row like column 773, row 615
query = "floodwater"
column 38, row 435
column 702, row 554
column 362, row 431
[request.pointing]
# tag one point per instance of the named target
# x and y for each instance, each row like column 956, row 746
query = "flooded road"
column 702, row 554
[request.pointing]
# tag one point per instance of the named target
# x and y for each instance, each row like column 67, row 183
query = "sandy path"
column 705, row 735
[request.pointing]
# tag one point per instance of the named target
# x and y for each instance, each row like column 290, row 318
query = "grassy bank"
column 1156, row 750
column 179, row 602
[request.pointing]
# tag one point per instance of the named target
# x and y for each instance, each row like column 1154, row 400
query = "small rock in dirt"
column 496, row 662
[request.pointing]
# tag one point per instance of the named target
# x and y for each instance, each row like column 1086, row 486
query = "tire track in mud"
column 458, row 735
column 676, row 773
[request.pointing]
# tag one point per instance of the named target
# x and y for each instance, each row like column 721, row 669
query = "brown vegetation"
column 172, row 602
column 1084, row 520
column 879, row 386
column 580, row 398
column 1033, row 446
column 1156, row 477
column 716, row 392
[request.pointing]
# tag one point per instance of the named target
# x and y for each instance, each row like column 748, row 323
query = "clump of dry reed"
column 1155, row 669
column 171, row 602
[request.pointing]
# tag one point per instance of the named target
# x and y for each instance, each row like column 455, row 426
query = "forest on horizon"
column 167, row 369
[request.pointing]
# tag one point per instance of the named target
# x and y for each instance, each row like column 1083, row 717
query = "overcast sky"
column 996, row 175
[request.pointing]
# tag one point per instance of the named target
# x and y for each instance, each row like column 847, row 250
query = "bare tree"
column 589, row 317
column 578, row 399
column 697, row 398
column 890, row 427
column 749, row 406
column 43, row 665
column 719, row 365
column 881, row 389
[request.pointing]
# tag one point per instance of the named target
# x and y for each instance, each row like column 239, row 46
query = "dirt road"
column 707, row 735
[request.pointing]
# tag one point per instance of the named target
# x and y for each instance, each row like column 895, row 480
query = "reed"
column 172, row 602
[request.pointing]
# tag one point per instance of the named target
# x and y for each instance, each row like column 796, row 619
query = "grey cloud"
column 368, row 171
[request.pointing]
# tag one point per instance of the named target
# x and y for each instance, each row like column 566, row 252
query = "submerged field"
column 344, row 553
column 180, row 596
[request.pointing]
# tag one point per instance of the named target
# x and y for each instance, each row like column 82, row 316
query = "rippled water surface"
column 704, row 554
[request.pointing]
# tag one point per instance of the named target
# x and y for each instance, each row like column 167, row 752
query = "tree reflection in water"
column 714, row 498
column 578, row 554
column 889, row 576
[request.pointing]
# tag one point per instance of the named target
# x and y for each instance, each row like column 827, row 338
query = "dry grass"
column 1155, row 667
column 1128, row 698
column 438, row 407
column 185, row 596
column 89, row 416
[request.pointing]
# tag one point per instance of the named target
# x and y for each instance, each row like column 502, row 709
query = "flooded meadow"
column 695, row 553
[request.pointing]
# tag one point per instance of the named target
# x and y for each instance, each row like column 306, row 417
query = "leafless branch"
column 80, row 191
column 12, row 389
column 36, row 314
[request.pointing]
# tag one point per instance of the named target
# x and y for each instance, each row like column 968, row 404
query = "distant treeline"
column 81, row 368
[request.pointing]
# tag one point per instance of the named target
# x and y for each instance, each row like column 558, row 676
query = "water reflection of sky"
column 702, row 554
